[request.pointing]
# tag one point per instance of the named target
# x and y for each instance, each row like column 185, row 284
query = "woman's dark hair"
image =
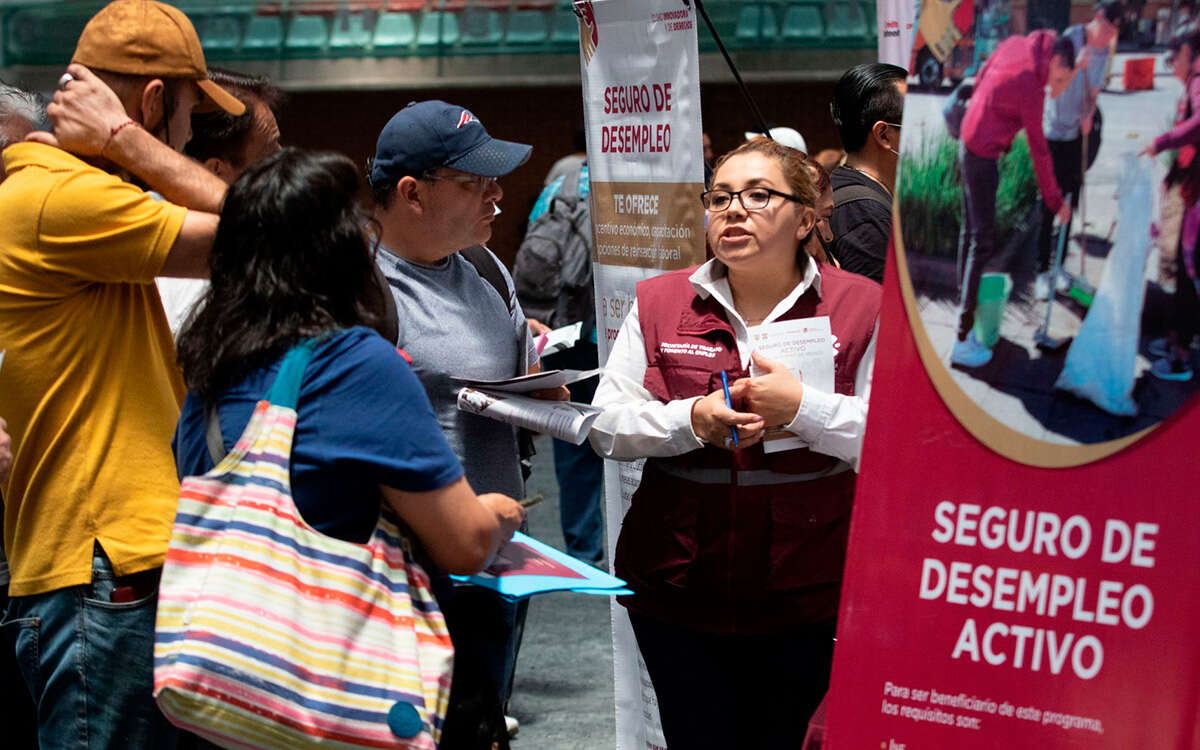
column 290, row 260
column 864, row 95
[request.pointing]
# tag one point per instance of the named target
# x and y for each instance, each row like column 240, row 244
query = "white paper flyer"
column 806, row 347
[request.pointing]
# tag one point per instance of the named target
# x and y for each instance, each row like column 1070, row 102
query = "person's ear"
column 219, row 167
column 882, row 135
column 408, row 190
column 808, row 221
column 881, row 132
column 151, row 104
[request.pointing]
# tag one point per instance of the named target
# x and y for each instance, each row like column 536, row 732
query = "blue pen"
column 729, row 403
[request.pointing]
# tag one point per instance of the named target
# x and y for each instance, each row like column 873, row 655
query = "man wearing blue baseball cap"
column 434, row 181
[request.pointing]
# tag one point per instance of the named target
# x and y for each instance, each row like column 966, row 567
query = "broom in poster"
column 1042, row 338
column 1080, row 290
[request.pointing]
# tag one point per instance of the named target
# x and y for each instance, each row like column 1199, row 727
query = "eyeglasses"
column 479, row 182
column 752, row 199
column 891, row 124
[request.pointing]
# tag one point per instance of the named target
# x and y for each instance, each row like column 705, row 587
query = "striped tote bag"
column 273, row 635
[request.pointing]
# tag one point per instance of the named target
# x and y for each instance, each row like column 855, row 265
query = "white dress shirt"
column 635, row 424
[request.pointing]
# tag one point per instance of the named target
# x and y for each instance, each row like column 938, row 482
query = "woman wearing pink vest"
column 734, row 554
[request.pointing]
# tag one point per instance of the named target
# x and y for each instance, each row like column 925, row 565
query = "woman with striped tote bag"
column 278, row 627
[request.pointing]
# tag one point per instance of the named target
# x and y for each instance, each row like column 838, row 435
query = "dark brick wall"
column 545, row 117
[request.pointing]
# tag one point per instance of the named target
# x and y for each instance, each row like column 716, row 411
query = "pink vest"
column 723, row 540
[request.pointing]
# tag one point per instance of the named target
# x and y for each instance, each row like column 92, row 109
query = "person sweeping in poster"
column 1009, row 97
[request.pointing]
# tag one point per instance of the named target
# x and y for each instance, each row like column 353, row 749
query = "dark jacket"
column 861, row 226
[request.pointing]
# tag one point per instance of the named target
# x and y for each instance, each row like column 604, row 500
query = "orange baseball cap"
column 146, row 38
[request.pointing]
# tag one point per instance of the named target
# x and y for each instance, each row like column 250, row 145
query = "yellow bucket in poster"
column 994, row 289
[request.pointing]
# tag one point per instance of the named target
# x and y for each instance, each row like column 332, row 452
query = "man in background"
column 226, row 145
column 1070, row 117
column 868, row 103
column 553, row 275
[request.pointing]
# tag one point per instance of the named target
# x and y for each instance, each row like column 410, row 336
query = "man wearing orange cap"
column 90, row 384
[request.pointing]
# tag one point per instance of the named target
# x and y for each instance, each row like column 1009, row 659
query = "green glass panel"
column 846, row 20
column 219, row 31
column 435, row 24
column 394, row 30
column 263, row 33
column 803, row 22
column 349, row 32
column 526, row 27
column 564, row 28
column 481, row 27
column 307, row 33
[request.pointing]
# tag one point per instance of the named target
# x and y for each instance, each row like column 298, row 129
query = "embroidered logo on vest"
column 698, row 350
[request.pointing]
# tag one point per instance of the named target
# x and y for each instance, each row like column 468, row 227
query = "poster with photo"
column 641, row 89
column 1022, row 555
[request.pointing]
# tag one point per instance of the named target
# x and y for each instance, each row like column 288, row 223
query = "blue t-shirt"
column 363, row 421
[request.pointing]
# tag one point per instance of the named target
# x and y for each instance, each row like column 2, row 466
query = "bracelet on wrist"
column 113, row 134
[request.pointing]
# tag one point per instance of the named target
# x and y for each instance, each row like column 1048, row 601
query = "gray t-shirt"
column 1063, row 113
column 452, row 323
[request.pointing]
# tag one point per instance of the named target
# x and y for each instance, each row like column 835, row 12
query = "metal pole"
column 762, row 123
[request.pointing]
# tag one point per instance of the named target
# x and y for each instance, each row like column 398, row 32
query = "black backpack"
column 553, row 269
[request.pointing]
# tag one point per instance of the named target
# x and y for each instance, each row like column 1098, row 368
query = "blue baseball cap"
column 431, row 134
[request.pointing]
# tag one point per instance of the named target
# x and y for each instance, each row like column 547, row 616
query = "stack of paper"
column 501, row 400
column 806, row 346
column 524, row 566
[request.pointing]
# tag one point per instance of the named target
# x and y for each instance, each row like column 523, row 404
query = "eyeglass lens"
column 752, row 199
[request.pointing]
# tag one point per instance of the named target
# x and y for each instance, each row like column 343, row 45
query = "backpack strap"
column 489, row 270
column 851, row 193
column 570, row 185
column 212, row 433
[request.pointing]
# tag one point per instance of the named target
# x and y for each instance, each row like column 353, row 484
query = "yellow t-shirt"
column 89, row 383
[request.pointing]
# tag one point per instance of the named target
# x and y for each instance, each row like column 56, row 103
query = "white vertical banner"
column 641, row 96
column 896, row 20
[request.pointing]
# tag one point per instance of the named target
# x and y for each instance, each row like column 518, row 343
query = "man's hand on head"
column 84, row 113
column 89, row 120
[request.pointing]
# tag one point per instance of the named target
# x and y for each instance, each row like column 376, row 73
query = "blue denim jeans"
column 20, row 723
column 88, row 662
column 580, row 475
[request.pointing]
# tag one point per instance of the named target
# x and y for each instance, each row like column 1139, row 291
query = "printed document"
column 565, row 420
column 806, row 347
